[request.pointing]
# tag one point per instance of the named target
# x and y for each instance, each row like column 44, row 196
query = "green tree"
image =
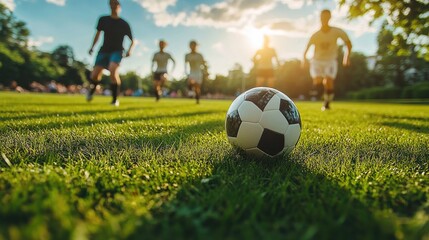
column 409, row 18
column 75, row 71
column 14, row 33
column 130, row 80
column 354, row 77
column 39, row 67
column 64, row 55
column 10, row 60
column 292, row 79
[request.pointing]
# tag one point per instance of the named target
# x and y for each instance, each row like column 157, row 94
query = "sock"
column 115, row 92
column 93, row 86
column 328, row 96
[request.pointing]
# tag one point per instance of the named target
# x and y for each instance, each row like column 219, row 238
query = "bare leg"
column 157, row 87
column 95, row 78
column 197, row 88
column 314, row 93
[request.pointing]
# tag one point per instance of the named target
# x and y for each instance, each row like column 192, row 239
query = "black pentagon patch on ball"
column 290, row 112
column 272, row 143
column 233, row 122
column 260, row 97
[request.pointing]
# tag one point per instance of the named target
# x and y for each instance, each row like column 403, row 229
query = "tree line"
column 398, row 64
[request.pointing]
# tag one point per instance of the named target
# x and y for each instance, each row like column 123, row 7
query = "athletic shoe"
column 326, row 107
column 116, row 103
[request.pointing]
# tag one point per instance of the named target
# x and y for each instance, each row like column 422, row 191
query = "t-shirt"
column 265, row 57
column 115, row 29
column 161, row 59
column 195, row 60
column 326, row 43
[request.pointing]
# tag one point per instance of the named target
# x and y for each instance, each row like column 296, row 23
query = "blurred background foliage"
column 400, row 68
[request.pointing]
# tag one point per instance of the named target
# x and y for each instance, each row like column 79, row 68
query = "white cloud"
column 294, row 4
column 219, row 47
column 156, row 6
column 39, row 41
column 57, row 2
column 223, row 14
column 239, row 15
column 9, row 4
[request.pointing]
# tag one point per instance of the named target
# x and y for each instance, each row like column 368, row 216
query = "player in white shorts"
column 197, row 64
column 323, row 66
column 160, row 75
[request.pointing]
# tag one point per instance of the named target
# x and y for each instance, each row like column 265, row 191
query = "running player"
column 324, row 66
column 160, row 74
column 111, row 52
column 263, row 61
column 195, row 74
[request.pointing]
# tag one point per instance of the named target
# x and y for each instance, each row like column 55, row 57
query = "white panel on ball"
column 249, row 135
column 274, row 120
column 273, row 104
column 288, row 150
column 233, row 141
column 249, row 112
column 236, row 103
column 292, row 135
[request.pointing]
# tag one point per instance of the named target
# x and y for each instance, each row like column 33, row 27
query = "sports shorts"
column 157, row 75
column 197, row 77
column 105, row 58
column 323, row 68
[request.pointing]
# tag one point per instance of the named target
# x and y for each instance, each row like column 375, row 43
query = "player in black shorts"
column 111, row 52
column 263, row 61
column 160, row 74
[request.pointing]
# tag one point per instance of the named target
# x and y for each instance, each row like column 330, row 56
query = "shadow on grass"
column 49, row 124
column 408, row 126
column 71, row 112
column 274, row 199
column 410, row 123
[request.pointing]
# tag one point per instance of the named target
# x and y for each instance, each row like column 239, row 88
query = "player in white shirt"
column 263, row 61
column 160, row 75
column 195, row 74
column 324, row 66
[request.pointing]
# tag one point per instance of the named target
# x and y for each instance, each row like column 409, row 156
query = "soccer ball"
column 263, row 122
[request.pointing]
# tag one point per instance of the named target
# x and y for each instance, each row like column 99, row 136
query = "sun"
column 255, row 37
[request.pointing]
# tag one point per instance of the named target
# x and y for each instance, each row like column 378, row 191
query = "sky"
column 228, row 31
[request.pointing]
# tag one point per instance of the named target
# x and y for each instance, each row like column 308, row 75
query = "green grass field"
column 165, row 170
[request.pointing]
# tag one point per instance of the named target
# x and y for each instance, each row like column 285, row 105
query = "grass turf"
column 165, row 170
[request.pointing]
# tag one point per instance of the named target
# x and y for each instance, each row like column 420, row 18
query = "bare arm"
column 186, row 66
column 130, row 49
column 255, row 57
column 153, row 65
column 174, row 64
column 346, row 59
column 96, row 37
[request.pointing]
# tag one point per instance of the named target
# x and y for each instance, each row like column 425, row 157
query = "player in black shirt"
column 111, row 52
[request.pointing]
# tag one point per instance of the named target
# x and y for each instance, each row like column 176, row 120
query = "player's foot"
column 88, row 96
column 198, row 101
column 115, row 103
column 326, row 107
